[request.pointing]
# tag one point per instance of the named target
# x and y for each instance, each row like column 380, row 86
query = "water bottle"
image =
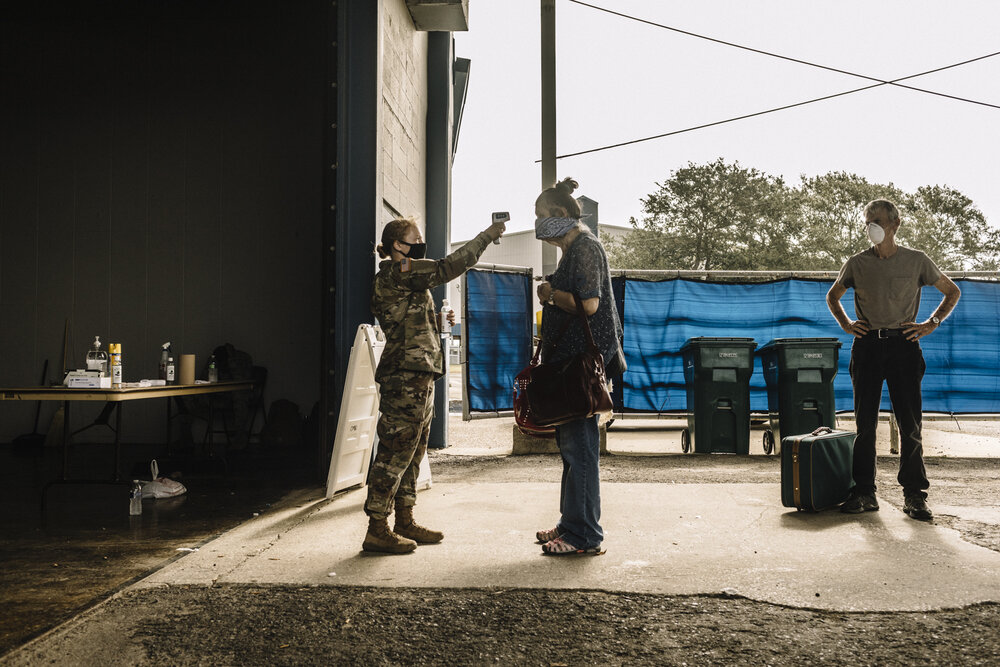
column 213, row 370
column 445, row 325
column 135, row 499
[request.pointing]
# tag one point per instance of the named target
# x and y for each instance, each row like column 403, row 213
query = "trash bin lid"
column 788, row 342
column 701, row 340
column 710, row 341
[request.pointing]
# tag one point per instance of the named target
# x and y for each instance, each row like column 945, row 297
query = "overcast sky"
column 620, row 80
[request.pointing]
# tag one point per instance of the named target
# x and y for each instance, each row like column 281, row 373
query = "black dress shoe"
column 916, row 508
column 864, row 502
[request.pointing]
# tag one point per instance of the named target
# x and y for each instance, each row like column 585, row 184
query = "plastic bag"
column 161, row 487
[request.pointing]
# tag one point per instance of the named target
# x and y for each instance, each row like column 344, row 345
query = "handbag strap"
column 536, row 357
column 562, row 331
column 586, row 324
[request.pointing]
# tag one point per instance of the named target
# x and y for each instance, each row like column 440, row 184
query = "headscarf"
column 553, row 228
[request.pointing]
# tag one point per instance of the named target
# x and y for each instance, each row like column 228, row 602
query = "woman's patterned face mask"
column 553, row 228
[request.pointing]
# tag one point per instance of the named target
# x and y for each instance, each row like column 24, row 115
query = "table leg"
column 170, row 425
column 65, row 441
column 118, row 440
column 211, row 426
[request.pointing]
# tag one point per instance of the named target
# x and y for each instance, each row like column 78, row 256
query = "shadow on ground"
column 84, row 546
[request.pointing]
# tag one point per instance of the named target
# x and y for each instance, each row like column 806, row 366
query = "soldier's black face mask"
column 416, row 251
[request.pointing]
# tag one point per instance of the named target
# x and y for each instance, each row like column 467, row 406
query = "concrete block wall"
column 403, row 139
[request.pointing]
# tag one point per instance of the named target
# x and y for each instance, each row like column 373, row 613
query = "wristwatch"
column 936, row 321
column 552, row 298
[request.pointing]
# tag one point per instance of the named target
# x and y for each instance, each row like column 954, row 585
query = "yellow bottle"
column 115, row 351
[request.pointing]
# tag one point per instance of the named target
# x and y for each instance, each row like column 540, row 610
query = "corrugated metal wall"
column 161, row 179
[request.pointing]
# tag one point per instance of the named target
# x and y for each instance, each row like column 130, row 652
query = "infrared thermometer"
column 500, row 216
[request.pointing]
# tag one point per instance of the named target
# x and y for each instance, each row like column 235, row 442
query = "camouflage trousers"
column 406, row 400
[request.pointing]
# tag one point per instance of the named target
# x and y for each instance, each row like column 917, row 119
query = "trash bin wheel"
column 768, row 442
column 685, row 441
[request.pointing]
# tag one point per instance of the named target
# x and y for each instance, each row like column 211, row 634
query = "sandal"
column 544, row 536
column 560, row 547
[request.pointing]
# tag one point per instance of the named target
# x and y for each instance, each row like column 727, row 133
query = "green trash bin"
column 799, row 374
column 717, row 378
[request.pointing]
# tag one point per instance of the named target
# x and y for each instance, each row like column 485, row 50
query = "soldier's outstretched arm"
column 428, row 273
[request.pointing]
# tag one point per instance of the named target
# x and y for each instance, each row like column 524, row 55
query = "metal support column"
column 440, row 64
column 548, row 93
column 548, row 8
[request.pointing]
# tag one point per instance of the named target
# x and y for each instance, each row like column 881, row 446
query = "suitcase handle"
column 822, row 430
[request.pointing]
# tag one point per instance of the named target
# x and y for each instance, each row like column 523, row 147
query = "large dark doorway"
column 162, row 176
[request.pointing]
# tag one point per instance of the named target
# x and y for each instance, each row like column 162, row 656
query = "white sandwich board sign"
column 356, row 439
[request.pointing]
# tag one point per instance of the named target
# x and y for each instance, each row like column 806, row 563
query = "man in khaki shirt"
column 887, row 279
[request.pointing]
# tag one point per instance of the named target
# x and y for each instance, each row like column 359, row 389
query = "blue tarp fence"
column 963, row 355
column 498, row 311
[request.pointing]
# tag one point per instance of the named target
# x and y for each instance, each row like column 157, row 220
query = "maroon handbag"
column 567, row 390
column 523, row 416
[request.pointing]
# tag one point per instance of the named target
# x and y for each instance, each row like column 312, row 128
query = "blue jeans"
column 580, row 497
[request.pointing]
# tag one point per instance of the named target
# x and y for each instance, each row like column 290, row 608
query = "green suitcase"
column 816, row 469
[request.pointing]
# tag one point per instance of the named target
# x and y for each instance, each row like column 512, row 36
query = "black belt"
column 885, row 333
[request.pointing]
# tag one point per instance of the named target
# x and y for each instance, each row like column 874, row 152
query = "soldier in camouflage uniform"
column 411, row 361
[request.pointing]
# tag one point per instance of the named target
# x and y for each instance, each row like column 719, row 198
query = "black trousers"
column 900, row 364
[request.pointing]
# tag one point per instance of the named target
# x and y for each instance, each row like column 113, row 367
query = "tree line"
column 722, row 216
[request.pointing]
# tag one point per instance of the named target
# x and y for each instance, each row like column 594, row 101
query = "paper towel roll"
column 186, row 374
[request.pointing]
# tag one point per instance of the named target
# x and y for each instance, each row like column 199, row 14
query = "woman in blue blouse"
column 582, row 273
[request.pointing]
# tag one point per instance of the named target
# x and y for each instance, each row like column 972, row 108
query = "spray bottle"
column 164, row 353
column 115, row 350
column 168, row 370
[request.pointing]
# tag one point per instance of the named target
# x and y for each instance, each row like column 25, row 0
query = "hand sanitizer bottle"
column 97, row 358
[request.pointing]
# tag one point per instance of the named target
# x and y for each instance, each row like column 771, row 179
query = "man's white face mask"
column 875, row 233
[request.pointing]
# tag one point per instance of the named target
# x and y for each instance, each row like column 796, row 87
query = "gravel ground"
column 365, row 626
column 283, row 625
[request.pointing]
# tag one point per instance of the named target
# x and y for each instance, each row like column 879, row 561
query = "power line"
column 718, row 122
column 761, row 113
column 879, row 83
column 797, row 60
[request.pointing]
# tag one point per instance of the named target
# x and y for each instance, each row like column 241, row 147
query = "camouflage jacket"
column 404, row 308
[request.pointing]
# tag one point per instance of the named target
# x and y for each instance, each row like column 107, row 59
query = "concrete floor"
column 717, row 537
column 701, row 538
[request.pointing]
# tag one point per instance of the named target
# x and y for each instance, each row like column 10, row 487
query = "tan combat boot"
column 382, row 540
column 407, row 527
